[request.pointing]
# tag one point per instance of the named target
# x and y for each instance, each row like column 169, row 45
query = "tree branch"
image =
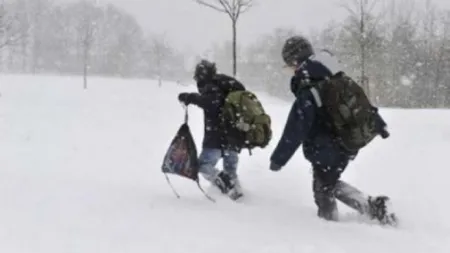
column 9, row 31
column 9, row 42
column 220, row 8
column 226, row 5
column 243, row 6
column 371, row 7
column 347, row 8
column 231, row 7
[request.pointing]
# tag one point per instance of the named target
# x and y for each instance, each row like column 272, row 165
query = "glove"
column 184, row 98
column 274, row 167
column 384, row 133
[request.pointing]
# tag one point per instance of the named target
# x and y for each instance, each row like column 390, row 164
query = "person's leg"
column 351, row 196
column 376, row 207
column 324, row 185
column 207, row 163
column 230, row 163
column 208, row 160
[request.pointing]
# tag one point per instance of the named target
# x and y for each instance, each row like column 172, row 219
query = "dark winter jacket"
column 211, row 98
column 305, row 124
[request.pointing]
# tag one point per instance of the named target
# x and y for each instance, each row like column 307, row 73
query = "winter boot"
column 223, row 182
column 380, row 209
column 236, row 192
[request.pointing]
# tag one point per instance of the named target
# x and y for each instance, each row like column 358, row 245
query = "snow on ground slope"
column 80, row 172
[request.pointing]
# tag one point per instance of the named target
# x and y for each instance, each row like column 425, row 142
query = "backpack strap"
column 316, row 96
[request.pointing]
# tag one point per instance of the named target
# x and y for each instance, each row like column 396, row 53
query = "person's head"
column 204, row 73
column 296, row 50
column 205, row 70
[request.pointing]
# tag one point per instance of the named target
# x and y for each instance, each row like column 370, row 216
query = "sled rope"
column 204, row 193
column 198, row 184
column 171, row 186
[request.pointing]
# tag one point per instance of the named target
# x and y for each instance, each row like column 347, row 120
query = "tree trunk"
column 364, row 78
column 24, row 55
column 363, row 40
column 2, row 60
column 159, row 67
column 85, row 64
column 234, row 23
column 85, row 73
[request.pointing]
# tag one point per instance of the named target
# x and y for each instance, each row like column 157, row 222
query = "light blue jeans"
column 210, row 157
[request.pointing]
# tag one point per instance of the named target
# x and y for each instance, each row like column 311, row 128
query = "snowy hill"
column 80, row 172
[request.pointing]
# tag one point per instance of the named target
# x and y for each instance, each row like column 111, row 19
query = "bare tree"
column 86, row 44
column 233, row 8
column 162, row 57
column 442, row 61
column 119, row 43
column 9, row 32
column 262, row 63
column 87, row 29
column 362, row 18
column 24, row 28
column 37, row 13
column 397, row 75
column 157, row 51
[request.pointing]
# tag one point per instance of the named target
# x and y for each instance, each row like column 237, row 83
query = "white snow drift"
column 80, row 172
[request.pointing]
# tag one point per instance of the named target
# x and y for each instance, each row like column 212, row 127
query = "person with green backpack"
column 333, row 119
column 233, row 119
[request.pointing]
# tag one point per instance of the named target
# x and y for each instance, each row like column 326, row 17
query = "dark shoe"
column 380, row 209
column 236, row 192
column 223, row 182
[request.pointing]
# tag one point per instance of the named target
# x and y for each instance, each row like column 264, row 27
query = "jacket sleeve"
column 296, row 130
column 381, row 126
column 205, row 101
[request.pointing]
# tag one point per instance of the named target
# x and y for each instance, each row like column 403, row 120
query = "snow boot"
column 223, row 182
column 380, row 209
column 236, row 192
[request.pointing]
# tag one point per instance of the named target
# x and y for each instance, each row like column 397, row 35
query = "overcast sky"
column 190, row 25
column 196, row 27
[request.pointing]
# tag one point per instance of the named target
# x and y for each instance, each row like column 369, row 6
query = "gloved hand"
column 275, row 167
column 384, row 133
column 184, row 98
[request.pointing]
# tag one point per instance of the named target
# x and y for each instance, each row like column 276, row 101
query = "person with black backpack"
column 333, row 119
column 218, row 141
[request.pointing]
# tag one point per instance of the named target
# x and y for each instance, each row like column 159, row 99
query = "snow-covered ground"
column 80, row 172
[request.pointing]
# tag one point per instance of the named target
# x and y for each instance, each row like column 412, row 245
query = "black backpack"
column 347, row 111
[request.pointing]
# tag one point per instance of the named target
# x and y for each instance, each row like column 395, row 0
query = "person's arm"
column 297, row 128
column 208, row 100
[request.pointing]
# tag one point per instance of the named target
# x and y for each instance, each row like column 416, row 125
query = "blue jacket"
column 305, row 125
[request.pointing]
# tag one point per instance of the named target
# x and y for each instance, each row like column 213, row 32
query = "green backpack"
column 348, row 111
column 244, row 112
